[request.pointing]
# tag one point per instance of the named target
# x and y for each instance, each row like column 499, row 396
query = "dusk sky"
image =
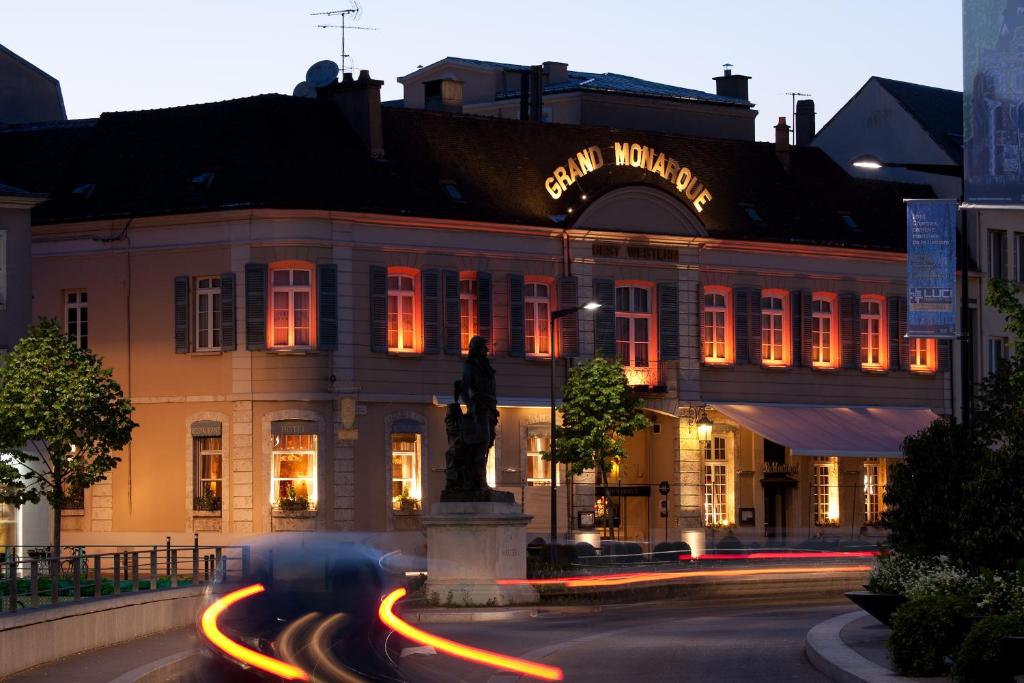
column 118, row 55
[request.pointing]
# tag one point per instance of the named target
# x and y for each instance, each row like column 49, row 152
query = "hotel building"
column 285, row 287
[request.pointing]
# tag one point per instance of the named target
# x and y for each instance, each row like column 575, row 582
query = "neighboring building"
column 29, row 524
column 552, row 93
column 285, row 286
column 27, row 93
column 900, row 122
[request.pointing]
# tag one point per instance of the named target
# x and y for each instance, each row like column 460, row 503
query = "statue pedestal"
column 472, row 544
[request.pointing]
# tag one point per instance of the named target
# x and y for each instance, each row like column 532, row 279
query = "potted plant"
column 207, row 503
column 405, row 503
column 292, row 502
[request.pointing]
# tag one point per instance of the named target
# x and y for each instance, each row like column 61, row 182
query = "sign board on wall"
column 993, row 99
column 931, row 268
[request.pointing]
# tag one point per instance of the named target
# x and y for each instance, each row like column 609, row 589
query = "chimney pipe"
column 804, row 122
column 358, row 100
column 782, row 142
column 537, row 93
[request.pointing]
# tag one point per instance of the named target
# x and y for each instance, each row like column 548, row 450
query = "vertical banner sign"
column 993, row 97
column 931, row 268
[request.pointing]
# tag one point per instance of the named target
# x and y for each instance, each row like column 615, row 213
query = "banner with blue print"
column 931, row 268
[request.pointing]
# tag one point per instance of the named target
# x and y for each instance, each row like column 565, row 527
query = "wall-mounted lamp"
column 697, row 416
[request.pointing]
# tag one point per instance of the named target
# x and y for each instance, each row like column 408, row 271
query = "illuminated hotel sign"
column 629, row 154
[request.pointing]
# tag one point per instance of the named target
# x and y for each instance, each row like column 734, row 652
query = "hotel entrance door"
column 629, row 513
column 778, row 485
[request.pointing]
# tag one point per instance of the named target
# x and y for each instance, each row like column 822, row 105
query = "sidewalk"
column 851, row 648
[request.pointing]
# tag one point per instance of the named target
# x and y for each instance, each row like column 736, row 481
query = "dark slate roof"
column 278, row 151
column 608, row 83
column 11, row 191
column 939, row 111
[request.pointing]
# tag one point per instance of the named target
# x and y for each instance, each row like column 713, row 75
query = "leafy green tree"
column 62, row 415
column 598, row 413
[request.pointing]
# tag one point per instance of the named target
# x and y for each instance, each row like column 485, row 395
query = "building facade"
column 29, row 524
column 288, row 319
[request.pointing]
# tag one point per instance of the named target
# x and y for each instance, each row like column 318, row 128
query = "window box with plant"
column 405, row 504
column 206, row 503
column 292, row 501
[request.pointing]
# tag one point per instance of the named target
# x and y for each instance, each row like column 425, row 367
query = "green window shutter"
column 849, row 328
column 255, row 306
column 228, row 334
column 181, row 314
column 755, row 325
column 569, row 325
column 378, row 309
column 805, row 326
column 892, row 308
column 485, row 306
column 668, row 321
column 904, row 343
column 452, row 314
column 604, row 323
column 741, row 315
column 431, row 310
column 516, row 317
column 327, row 306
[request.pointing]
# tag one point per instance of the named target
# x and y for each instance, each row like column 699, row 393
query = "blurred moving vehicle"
column 305, row 610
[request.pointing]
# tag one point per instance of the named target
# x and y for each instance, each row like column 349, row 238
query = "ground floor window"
column 208, row 472
column 405, row 472
column 874, row 490
column 825, row 487
column 716, row 483
column 538, row 441
column 8, row 525
column 293, row 484
column 492, row 472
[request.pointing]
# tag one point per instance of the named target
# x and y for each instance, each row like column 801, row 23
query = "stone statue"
column 471, row 432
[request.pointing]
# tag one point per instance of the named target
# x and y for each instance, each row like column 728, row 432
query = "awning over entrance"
column 845, row 431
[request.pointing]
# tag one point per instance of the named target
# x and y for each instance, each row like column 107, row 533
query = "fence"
column 29, row 577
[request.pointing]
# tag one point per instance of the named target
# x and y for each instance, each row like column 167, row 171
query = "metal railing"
column 30, row 577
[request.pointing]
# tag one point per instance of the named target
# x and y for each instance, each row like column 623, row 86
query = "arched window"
column 775, row 339
column 291, row 306
column 824, row 332
column 403, row 316
column 874, row 341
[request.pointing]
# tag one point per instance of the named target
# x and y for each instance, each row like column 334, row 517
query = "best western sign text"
column 629, row 154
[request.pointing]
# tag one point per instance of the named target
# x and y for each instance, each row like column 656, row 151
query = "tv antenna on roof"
column 351, row 14
column 793, row 96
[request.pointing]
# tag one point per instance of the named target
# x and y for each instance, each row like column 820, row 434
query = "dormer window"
column 849, row 222
column 753, row 215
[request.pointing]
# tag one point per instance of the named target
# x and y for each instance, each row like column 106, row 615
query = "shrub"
column 924, row 632
column 982, row 658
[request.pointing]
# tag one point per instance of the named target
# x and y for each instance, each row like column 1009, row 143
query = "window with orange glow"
column 291, row 307
column 873, row 341
column 824, row 336
column 403, row 321
column 716, row 471
column 293, row 481
column 537, row 309
column 717, row 325
column 874, row 490
column 923, row 355
column 469, row 309
column 775, row 339
column 634, row 323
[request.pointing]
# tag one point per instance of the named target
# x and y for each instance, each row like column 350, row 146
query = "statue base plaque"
column 470, row 546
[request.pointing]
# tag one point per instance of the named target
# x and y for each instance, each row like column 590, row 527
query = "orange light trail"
column 467, row 652
column 649, row 577
column 238, row 651
column 800, row 555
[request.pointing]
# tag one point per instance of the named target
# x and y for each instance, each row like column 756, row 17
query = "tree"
column 598, row 413
column 62, row 415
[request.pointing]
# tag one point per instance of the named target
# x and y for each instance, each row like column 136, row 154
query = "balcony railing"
column 643, row 377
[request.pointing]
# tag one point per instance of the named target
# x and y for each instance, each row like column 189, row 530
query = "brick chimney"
column 358, row 100
column 782, row 142
column 804, row 122
column 732, row 85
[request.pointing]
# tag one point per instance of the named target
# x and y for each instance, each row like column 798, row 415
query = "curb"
column 169, row 668
column 831, row 656
column 464, row 615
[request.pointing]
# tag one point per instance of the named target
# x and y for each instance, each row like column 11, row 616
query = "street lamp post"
column 872, row 163
column 555, row 315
